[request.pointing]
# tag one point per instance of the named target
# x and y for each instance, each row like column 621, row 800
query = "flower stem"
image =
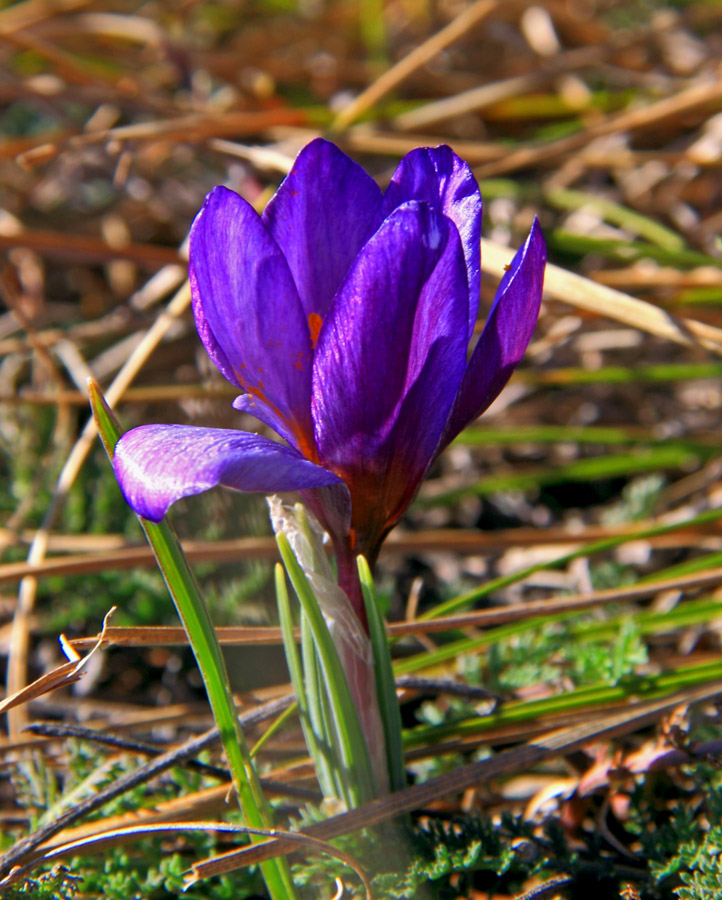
column 348, row 580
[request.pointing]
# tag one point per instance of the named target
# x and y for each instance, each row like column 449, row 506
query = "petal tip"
column 131, row 485
column 536, row 236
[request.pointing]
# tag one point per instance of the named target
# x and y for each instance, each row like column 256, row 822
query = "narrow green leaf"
column 341, row 772
column 385, row 684
column 601, row 546
column 648, row 688
column 351, row 743
column 691, row 612
column 274, row 728
column 295, row 669
column 202, row 636
column 616, row 214
column 689, row 567
column 486, row 435
column 628, row 251
column 710, row 294
column 598, row 467
column 466, row 645
column 326, row 757
column 575, row 375
column 702, row 611
column 333, row 775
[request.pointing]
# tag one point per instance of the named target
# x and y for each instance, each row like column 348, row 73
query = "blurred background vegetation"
column 597, row 471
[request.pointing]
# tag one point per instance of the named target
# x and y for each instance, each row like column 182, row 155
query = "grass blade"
column 601, row 546
column 194, row 614
column 385, row 684
column 295, row 669
column 350, row 741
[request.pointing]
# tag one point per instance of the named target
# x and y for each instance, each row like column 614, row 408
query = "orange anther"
column 314, row 326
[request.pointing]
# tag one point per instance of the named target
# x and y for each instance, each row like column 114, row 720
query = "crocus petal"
column 254, row 406
column 390, row 360
column 436, row 175
column 506, row 334
column 320, row 217
column 247, row 309
column 158, row 464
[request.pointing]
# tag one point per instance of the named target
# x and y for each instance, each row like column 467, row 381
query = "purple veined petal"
column 436, row 175
column 389, row 362
column 506, row 334
column 254, row 406
column 247, row 309
column 322, row 214
column 158, row 464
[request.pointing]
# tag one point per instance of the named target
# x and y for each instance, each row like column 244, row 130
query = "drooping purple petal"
column 322, row 214
column 506, row 334
column 247, row 309
column 390, row 360
column 437, row 176
column 158, row 464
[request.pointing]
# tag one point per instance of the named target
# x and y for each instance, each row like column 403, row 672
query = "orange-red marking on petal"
column 314, row 326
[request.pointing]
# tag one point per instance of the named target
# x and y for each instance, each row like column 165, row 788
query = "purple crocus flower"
column 344, row 316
